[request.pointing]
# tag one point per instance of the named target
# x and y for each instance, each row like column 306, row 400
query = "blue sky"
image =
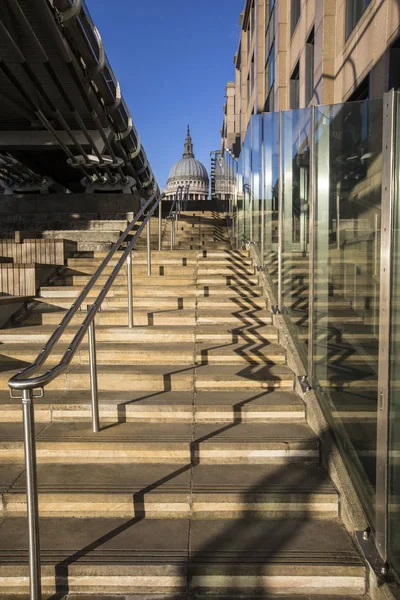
column 173, row 59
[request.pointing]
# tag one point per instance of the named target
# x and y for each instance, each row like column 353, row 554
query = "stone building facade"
column 296, row 53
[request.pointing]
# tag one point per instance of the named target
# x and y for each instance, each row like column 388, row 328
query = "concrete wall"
column 23, row 280
column 42, row 251
column 20, row 210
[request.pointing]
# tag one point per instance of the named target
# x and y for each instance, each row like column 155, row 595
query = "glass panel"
column 394, row 395
column 271, row 181
column 348, row 146
column 296, row 131
column 246, row 152
column 256, row 160
column 240, row 203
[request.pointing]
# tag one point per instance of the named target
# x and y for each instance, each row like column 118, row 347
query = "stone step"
column 171, row 491
column 133, row 443
column 172, row 407
column 176, row 377
column 153, row 335
column 163, row 280
column 121, row 280
column 163, row 270
column 121, row 303
column 143, row 291
column 140, row 317
column 172, row 259
column 237, row 303
column 142, row 556
column 141, row 353
column 177, row 254
column 170, row 317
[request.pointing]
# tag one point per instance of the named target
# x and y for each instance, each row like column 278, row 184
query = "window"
column 294, row 14
column 354, row 10
column 248, row 88
column 394, row 62
column 309, row 68
column 270, row 80
column 252, row 74
column 361, row 92
column 295, row 88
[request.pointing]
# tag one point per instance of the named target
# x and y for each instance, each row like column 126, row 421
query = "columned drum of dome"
column 188, row 171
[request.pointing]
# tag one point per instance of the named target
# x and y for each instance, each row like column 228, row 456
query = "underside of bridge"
column 64, row 125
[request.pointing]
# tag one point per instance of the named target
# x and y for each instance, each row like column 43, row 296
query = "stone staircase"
column 205, row 479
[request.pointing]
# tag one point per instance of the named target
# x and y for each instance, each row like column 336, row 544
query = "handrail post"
column 31, row 495
column 172, row 233
column 93, row 377
column 159, row 224
column 148, row 232
column 130, row 291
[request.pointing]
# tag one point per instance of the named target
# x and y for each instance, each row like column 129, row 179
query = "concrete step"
column 121, row 280
column 236, row 303
column 133, row 443
column 167, row 270
column 119, row 303
column 142, row 353
column 170, row 491
column 177, row 377
column 142, row 556
column 170, row 317
column 194, row 254
column 154, row 335
column 206, row 290
column 165, row 407
column 141, row 317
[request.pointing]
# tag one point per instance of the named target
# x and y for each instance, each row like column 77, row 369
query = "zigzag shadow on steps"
column 259, row 543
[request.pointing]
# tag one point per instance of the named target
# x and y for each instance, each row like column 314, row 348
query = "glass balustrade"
column 295, row 147
column 309, row 195
column 271, row 193
column 348, row 164
column 394, row 387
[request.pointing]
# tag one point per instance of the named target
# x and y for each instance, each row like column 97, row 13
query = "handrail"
column 174, row 214
column 26, row 384
column 21, row 381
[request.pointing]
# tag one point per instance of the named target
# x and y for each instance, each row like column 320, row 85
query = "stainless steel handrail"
column 174, row 213
column 21, row 380
column 26, row 384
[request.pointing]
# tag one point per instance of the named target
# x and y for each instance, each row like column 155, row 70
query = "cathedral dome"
column 190, row 167
column 188, row 172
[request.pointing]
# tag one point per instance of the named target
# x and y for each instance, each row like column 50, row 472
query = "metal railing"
column 181, row 196
column 26, row 382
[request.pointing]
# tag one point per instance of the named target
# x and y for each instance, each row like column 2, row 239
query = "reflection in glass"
column 271, row 193
column 348, row 145
column 296, row 131
column 256, row 166
column 394, row 395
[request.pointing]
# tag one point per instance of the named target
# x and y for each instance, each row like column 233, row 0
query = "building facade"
column 296, row 53
column 188, row 172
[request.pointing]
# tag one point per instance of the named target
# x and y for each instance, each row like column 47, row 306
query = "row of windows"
column 354, row 10
column 309, row 76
